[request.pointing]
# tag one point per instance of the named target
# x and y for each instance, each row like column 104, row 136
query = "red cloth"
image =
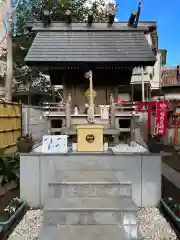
column 161, row 118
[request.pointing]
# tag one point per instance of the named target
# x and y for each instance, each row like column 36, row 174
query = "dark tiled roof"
column 80, row 43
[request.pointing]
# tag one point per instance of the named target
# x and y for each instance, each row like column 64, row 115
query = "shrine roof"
column 64, row 43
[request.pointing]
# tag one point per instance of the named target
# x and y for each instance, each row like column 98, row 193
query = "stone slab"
column 95, row 232
column 90, row 218
column 91, row 204
column 87, row 189
column 90, row 211
column 85, row 176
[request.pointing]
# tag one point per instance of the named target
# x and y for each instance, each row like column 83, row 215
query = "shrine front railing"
column 55, row 109
column 125, row 106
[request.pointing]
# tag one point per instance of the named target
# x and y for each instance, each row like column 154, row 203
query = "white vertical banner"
column 55, row 144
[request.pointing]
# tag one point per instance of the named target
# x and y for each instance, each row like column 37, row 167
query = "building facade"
column 170, row 87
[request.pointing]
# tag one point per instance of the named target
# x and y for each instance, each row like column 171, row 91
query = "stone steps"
column 91, row 211
column 90, row 198
column 88, row 189
column 86, row 176
column 88, row 184
column 91, row 163
column 86, row 232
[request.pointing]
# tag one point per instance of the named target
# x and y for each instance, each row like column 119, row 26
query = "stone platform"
column 96, row 232
column 94, row 194
column 89, row 202
column 142, row 170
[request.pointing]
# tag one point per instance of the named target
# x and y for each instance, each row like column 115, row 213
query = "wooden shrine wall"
column 10, row 125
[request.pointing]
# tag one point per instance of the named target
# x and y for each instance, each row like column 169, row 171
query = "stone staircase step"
column 87, row 232
column 90, row 162
column 90, row 176
column 88, row 183
column 92, row 210
column 76, row 203
column 89, row 189
column 86, row 176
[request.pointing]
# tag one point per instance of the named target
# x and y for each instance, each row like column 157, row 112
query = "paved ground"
column 171, row 180
column 174, row 160
column 170, row 190
column 171, row 173
column 171, row 168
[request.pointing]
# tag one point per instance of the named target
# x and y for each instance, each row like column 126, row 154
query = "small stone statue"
column 69, row 98
column 76, row 110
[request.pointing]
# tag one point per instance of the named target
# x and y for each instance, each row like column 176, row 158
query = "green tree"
column 31, row 10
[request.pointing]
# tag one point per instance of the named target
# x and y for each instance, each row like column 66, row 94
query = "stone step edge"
column 88, row 183
column 55, row 230
column 130, row 209
column 91, row 204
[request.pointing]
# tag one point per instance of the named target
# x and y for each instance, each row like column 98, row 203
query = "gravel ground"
column 152, row 225
column 135, row 147
column 29, row 227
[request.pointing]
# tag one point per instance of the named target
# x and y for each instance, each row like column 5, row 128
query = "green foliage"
column 32, row 10
column 21, row 44
column 9, row 168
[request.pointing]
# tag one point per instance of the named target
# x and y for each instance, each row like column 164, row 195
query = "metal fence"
column 10, row 125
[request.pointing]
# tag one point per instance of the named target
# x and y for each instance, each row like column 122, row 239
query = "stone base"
column 143, row 171
column 93, row 232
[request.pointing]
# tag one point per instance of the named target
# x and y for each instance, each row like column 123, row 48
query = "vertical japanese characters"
column 161, row 118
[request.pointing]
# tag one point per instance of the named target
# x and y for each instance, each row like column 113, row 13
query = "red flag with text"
column 161, row 118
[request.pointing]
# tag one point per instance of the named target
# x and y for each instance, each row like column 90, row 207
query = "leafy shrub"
column 9, row 168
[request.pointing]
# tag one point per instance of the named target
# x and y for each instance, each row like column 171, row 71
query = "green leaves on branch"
column 9, row 168
column 32, row 11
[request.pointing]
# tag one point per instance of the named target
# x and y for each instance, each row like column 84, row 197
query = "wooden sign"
column 55, row 144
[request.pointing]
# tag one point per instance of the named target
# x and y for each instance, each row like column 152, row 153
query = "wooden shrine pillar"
column 91, row 100
column 68, row 112
column 133, row 126
column 112, row 112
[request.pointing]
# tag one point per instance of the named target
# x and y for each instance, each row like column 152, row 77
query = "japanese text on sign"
column 161, row 118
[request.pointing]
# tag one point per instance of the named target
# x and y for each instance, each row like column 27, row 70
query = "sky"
column 166, row 14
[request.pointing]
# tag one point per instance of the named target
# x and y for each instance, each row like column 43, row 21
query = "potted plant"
column 12, row 213
column 25, row 144
column 172, row 208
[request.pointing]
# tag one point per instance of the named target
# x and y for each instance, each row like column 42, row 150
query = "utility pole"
column 9, row 70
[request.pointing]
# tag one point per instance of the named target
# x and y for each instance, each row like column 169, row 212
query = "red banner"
column 161, row 118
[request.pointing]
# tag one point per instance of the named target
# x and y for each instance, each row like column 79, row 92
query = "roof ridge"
column 84, row 26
